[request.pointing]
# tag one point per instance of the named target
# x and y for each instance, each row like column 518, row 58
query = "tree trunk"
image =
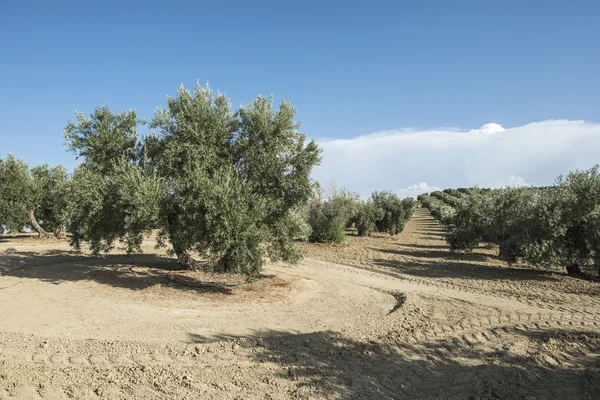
column 60, row 232
column 574, row 270
column 185, row 260
column 37, row 226
column 183, row 257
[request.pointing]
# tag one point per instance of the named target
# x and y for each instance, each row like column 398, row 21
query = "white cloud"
column 488, row 129
column 491, row 156
column 417, row 189
column 512, row 181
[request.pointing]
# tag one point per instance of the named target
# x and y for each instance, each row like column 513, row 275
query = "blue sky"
column 350, row 69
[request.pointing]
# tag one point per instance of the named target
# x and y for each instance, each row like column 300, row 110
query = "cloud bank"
column 413, row 162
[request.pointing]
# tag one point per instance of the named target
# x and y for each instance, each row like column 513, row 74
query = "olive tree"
column 222, row 184
column 35, row 198
column 366, row 217
column 330, row 212
column 50, row 193
column 393, row 212
column 15, row 194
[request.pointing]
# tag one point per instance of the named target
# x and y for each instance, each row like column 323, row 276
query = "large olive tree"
column 222, row 184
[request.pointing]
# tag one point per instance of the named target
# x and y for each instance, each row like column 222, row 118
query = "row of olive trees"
column 330, row 214
column 440, row 210
column 33, row 198
column 557, row 226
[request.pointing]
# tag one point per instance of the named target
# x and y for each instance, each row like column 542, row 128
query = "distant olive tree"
column 367, row 217
column 222, row 184
column 330, row 212
column 393, row 212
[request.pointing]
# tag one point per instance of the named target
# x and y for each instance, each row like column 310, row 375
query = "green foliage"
column 219, row 217
column 366, row 217
column 195, row 132
column 298, row 219
column 121, row 206
column 471, row 223
column 15, row 194
column 326, row 226
column 329, row 214
column 408, row 204
column 103, row 138
column 383, row 212
column 451, row 198
column 393, row 213
column 454, row 193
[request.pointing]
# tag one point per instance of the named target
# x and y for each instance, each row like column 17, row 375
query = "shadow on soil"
column 412, row 251
column 21, row 236
column 330, row 365
column 463, row 270
column 429, row 247
column 135, row 272
column 430, row 235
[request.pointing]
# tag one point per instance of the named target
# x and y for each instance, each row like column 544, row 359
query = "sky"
column 406, row 96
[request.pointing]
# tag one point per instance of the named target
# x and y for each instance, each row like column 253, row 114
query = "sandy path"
column 403, row 324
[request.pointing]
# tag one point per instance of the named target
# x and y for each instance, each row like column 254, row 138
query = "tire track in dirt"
column 531, row 300
column 466, row 334
column 468, row 338
column 424, row 286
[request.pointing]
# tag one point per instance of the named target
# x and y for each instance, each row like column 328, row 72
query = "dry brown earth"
column 382, row 317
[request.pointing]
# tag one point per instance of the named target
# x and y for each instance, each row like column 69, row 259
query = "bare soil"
column 375, row 318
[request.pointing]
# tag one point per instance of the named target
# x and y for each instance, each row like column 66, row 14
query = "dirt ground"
column 374, row 318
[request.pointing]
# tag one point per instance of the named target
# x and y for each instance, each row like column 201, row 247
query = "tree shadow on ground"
column 463, row 270
column 330, row 365
column 373, row 236
column 428, row 246
column 135, row 272
column 408, row 250
column 20, row 236
column 432, row 225
column 430, row 235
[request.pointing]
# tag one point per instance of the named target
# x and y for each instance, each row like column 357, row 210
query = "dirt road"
column 375, row 318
